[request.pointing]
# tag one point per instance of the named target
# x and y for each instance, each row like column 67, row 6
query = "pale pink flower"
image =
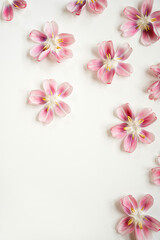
column 155, row 173
column 94, row 6
column 9, row 5
column 154, row 89
column 143, row 20
column 51, row 42
column 132, row 128
column 52, row 99
column 111, row 62
column 137, row 220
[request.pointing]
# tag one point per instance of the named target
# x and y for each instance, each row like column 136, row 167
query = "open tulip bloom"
column 95, row 6
column 9, row 5
column 132, row 127
column 154, row 89
column 52, row 99
column 111, row 62
column 50, row 42
column 144, row 21
column 137, row 220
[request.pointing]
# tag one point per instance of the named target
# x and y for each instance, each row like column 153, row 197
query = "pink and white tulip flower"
column 144, row 21
column 154, row 89
column 155, row 173
column 94, row 6
column 137, row 220
column 9, row 5
column 52, row 99
column 132, row 127
column 111, row 62
column 50, row 42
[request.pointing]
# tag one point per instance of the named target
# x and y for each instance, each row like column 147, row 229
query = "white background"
column 63, row 181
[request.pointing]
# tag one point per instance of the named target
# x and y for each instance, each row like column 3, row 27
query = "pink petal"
column 129, row 29
column 147, row 117
column 146, row 202
column 36, row 97
column 66, row 39
column 155, row 18
column 123, row 226
column 95, row 64
column 146, row 137
column 124, row 69
column 106, row 49
column 130, row 143
column 146, row 8
column 105, row 75
column 129, row 204
column 124, row 51
column 156, row 175
column 19, row 4
column 51, row 29
column 142, row 233
column 36, row 51
column 152, row 223
column 97, row 6
column 50, row 86
column 7, row 11
column 131, row 13
column 118, row 131
column 37, row 36
column 155, row 69
column 43, row 55
column 149, row 37
column 62, row 109
column 75, row 7
column 62, row 54
column 46, row 115
column 64, row 90
column 154, row 91
column 125, row 111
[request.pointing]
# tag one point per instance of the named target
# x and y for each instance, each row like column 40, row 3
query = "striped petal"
column 152, row 223
column 146, row 137
column 37, row 36
column 124, row 227
column 65, row 39
column 124, row 51
column 51, row 29
column 129, row 204
column 95, row 64
column 36, row 97
column 62, row 109
column 124, row 69
column 97, row 6
column 156, row 175
column 50, row 87
column 124, row 112
column 146, row 202
column 106, row 49
column 146, row 117
column 7, row 11
column 76, row 7
column 130, row 143
column 129, row 29
column 105, row 75
column 119, row 131
column 131, row 13
column 146, row 7
column 46, row 115
column 149, row 37
column 64, row 90
column 19, row 4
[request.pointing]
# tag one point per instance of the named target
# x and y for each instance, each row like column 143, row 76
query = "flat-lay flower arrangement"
column 106, row 87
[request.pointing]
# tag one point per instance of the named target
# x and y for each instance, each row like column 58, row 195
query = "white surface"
column 64, row 181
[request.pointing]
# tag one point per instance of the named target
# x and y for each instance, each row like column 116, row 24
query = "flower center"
column 80, row 1
column 110, row 62
column 143, row 23
column 53, row 43
column 52, row 100
column 137, row 217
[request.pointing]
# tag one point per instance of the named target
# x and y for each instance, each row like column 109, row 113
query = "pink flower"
column 7, row 11
column 155, row 173
column 144, row 20
column 154, row 89
column 132, row 128
column 52, row 99
column 137, row 220
column 51, row 42
column 95, row 6
column 111, row 62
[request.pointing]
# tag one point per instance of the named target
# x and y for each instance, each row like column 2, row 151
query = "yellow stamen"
column 46, row 47
column 142, row 208
column 51, row 93
column 44, row 99
column 52, row 35
column 132, row 135
column 140, row 225
column 108, row 56
column 153, row 19
column 130, row 221
column 60, row 40
column 141, row 121
column 147, row 28
column 129, row 119
column 138, row 16
column 126, row 128
column 141, row 135
column 48, row 108
column 137, row 27
column 58, row 47
column 132, row 210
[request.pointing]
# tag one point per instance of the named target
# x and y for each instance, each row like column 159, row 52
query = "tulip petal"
column 106, row 49
column 156, row 175
column 50, row 87
column 62, row 54
column 125, row 111
column 7, row 11
column 146, row 7
column 105, row 75
column 43, row 54
column 129, row 28
column 152, row 223
column 154, row 91
column 19, row 4
column 37, row 36
column 76, row 7
column 123, row 226
column 146, row 137
column 155, row 69
column 146, row 202
column 36, row 97
column 46, row 115
column 64, row 90
column 130, row 143
column 95, row 64
column 131, row 13
column 146, row 117
column 65, row 39
column 124, row 69
column 124, row 51
column 119, row 131
column 149, row 36
column 37, row 50
column 155, row 18
column 129, row 204
column 142, row 233
column 97, row 6
column 51, row 29
column 62, row 109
